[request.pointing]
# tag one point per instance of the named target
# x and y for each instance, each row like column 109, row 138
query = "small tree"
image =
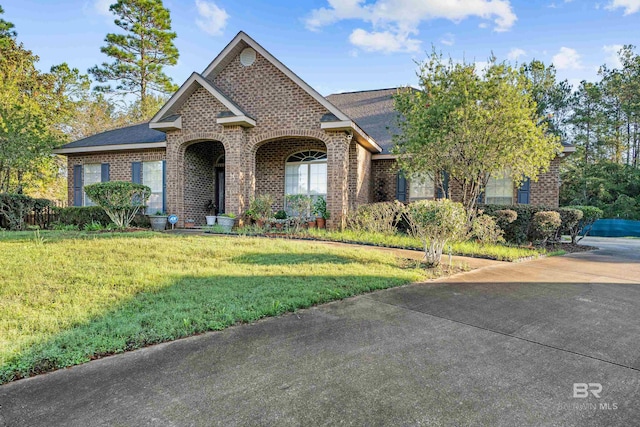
column 471, row 125
column 121, row 200
column 544, row 225
column 590, row 214
column 435, row 222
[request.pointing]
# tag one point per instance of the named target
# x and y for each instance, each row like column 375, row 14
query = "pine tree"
column 140, row 54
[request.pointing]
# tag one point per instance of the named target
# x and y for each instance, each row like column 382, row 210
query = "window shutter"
column 136, row 172
column 481, row 197
column 445, row 184
column 401, row 187
column 523, row 192
column 104, row 173
column 164, row 186
column 77, row 185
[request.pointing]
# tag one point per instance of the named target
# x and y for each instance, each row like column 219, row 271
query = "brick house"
column 248, row 125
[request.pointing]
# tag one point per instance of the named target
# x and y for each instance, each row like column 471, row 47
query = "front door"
column 220, row 190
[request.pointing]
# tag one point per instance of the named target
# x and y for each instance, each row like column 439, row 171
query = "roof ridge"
column 365, row 90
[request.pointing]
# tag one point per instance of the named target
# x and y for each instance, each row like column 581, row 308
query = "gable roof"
column 126, row 138
column 242, row 41
column 373, row 111
column 174, row 103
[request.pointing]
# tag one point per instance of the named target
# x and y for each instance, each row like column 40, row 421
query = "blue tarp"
column 615, row 228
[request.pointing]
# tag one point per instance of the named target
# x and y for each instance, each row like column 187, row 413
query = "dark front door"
column 220, row 190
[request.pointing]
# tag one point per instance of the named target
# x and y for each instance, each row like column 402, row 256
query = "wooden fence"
column 42, row 218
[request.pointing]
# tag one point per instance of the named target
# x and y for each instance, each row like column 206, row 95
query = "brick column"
column 337, row 179
column 235, row 170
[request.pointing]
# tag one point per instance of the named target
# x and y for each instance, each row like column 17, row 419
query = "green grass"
column 472, row 249
column 69, row 297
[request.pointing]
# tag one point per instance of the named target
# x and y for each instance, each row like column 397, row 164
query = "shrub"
column 570, row 218
column 300, row 208
column 280, row 215
column 14, row 208
column 380, row 217
column 485, row 230
column 590, row 214
column 82, row 215
column 121, row 200
column 519, row 230
column 434, row 223
column 260, row 207
column 544, row 225
column 504, row 217
column 320, row 208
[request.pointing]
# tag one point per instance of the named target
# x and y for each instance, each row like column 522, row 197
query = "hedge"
column 80, row 216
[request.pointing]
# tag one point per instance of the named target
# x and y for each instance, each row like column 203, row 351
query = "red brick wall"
column 119, row 164
column 199, row 167
column 546, row 191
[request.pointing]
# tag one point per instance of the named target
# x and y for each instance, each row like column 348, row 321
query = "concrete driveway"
column 503, row 345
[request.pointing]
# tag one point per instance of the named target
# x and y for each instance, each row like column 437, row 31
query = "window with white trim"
column 499, row 190
column 92, row 174
column 306, row 173
column 152, row 178
column 421, row 186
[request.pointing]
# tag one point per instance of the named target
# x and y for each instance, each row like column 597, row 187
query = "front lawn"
column 66, row 298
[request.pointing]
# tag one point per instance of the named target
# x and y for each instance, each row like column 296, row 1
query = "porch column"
column 337, row 179
column 235, row 170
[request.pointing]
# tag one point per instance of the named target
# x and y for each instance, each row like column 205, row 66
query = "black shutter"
column 523, row 192
column 136, row 172
column 77, row 185
column 104, row 172
column 401, row 187
column 445, row 184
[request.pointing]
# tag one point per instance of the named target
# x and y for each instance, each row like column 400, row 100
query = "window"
column 306, row 173
column 499, row 189
column 92, row 174
column 152, row 176
column 421, row 187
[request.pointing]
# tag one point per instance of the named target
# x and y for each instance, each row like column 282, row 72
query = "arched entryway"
column 204, row 180
column 291, row 166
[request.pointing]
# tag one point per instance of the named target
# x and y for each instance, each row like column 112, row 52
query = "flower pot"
column 322, row 223
column 158, row 222
column 189, row 223
column 260, row 223
column 279, row 225
column 226, row 222
column 211, row 219
column 311, row 224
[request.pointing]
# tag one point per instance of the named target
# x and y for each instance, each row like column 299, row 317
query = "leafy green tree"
column 121, row 200
column 140, row 54
column 472, row 125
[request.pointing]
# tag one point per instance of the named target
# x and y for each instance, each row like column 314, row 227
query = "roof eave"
column 114, row 147
column 165, row 126
column 243, row 121
column 361, row 136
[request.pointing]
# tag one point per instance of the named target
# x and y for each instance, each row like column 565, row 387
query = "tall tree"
column 472, row 125
column 140, row 54
column 6, row 28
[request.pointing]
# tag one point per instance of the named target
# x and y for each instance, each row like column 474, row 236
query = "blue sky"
column 347, row 45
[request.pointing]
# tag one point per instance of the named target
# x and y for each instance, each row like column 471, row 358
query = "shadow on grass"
column 190, row 305
column 293, row 259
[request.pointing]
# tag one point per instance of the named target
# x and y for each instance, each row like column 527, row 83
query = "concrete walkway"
column 502, row 345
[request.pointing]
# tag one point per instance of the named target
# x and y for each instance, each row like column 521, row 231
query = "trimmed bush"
column 485, row 230
column 544, row 225
column 570, row 218
column 380, row 217
column 14, row 208
column 434, row 223
column 590, row 214
column 80, row 216
column 121, row 200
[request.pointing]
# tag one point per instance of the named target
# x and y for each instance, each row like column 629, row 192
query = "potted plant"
column 210, row 207
column 260, row 208
column 281, row 218
column 320, row 210
column 226, row 221
column 158, row 221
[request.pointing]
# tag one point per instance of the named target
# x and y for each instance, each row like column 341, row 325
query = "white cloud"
column 213, row 18
column 393, row 21
column 516, row 53
column 629, row 6
column 102, row 7
column 612, row 59
column 448, row 39
column 383, row 41
column 567, row 59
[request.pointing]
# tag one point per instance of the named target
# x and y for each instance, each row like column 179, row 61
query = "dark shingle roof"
column 373, row 111
column 135, row 134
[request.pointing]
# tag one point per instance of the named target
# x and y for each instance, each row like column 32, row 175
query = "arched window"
column 306, row 173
